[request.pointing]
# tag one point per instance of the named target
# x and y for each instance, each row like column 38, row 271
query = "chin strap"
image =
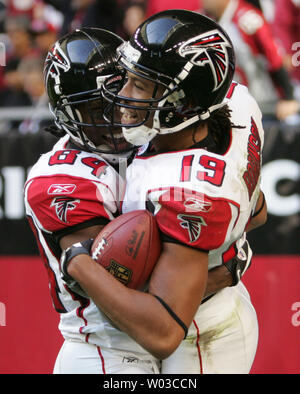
column 139, row 136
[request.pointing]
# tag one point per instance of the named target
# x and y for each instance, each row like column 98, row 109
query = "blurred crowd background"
column 29, row 27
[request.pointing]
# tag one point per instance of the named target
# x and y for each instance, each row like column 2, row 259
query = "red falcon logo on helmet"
column 58, row 62
column 62, row 206
column 192, row 224
column 209, row 48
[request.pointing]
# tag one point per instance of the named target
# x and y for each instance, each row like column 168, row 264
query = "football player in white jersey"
column 201, row 180
column 74, row 190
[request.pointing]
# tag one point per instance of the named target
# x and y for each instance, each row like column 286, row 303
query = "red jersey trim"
column 102, row 360
column 198, row 348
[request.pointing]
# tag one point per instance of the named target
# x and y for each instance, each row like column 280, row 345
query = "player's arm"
column 225, row 275
column 218, row 278
column 231, row 272
column 157, row 324
column 260, row 214
column 79, row 236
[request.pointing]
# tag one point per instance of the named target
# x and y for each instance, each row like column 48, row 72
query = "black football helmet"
column 75, row 69
column 190, row 56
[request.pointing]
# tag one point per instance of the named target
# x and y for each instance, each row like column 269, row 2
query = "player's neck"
column 180, row 140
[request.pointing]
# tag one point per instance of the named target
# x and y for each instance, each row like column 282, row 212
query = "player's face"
column 138, row 88
column 106, row 138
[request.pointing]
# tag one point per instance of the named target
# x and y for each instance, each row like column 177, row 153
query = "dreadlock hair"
column 219, row 125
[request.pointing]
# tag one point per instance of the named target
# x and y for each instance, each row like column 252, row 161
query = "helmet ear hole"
column 183, row 109
column 62, row 117
column 176, row 97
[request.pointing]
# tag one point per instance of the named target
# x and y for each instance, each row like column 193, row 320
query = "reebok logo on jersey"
column 209, row 48
column 62, row 205
column 192, row 224
column 197, row 205
column 61, row 189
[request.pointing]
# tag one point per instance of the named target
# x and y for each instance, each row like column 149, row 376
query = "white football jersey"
column 68, row 189
column 203, row 199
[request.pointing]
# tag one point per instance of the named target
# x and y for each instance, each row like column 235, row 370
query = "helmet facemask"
column 188, row 55
column 75, row 69
column 167, row 110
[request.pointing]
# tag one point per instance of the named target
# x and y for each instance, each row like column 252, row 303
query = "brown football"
column 128, row 247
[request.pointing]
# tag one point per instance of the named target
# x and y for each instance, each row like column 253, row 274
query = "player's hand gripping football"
column 241, row 262
column 78, row 248
column 128, row 248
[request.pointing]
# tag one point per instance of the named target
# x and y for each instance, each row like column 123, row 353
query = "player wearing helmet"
column 74, row 190
column 189, row 71
column 200, row 177
column 73, row 79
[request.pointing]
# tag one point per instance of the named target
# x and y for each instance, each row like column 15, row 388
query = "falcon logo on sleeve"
column 209, row 48
column 62, row 206
column 192, row 224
